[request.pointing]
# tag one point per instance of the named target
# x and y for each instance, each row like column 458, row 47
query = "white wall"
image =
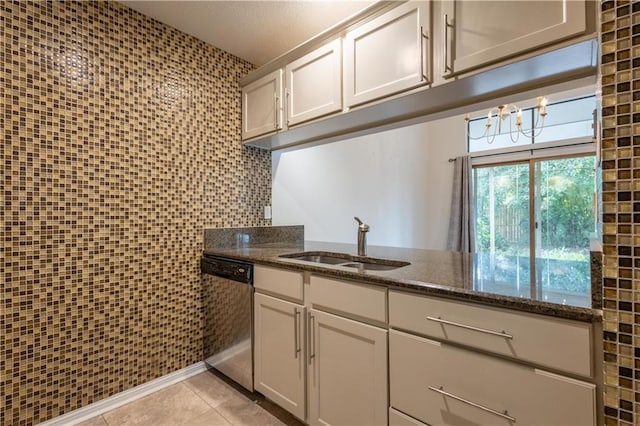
column 399, row 182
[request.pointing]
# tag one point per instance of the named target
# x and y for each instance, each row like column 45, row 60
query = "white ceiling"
column 256, row 31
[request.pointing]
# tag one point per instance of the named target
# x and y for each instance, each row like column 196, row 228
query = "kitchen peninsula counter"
column 431, row 272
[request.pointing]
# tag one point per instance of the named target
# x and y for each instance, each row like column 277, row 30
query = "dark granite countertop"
column 431, row 272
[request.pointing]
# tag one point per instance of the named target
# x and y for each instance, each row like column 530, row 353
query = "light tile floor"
column 204, row 399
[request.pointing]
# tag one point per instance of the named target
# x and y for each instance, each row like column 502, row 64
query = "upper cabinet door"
column 262, row 106
column 390, row 54
column 314, row 84
column 477, row 33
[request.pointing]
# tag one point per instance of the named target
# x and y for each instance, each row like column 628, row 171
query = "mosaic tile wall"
column 120, row 144
column 620, row 69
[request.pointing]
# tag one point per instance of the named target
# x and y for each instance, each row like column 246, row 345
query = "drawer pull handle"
column 503, row 414
column 469, row 327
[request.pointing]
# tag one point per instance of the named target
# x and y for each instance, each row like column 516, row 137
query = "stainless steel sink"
column 319, row 258
column 376, row 266
column 350, row 261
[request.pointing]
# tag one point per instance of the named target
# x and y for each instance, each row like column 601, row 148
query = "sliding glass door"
column 533, row 222
column 564, row 219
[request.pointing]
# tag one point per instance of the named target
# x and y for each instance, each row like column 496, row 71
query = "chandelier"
column 505, row 112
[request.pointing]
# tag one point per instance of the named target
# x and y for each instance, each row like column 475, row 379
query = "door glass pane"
column 502, row 229
column 565, row 220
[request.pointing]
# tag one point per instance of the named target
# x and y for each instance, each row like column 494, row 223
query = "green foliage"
column 566, row 197
column 564, row 191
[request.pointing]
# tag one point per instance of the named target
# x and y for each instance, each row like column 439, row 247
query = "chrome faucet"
column 363, row 228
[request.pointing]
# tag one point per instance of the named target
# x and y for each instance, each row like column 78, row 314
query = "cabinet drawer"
column 284, row 283
column 552, row 342
column 359, row 300
column 441, row 384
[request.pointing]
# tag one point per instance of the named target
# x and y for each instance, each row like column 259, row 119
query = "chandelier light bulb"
column 543, row 110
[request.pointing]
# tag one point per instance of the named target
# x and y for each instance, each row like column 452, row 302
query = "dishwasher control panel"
column 232, row 269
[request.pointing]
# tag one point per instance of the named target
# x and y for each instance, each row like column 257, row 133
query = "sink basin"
column 319, row 258
column 376, row 266
column 350, row 261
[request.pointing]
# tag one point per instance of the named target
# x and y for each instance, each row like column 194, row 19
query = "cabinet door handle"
column 296, row 332
column 470, row 327
column 275, row 111
column 445, row 43
column 504, row 414
column 312, row 337
column 424, row 56
column 287, row 105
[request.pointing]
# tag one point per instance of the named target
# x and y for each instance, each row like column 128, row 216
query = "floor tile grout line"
column 198, row 393
column 224, row 417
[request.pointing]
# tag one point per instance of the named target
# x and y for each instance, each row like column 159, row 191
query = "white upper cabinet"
column 389, row 54
column 262, row 105
column 416, row 49
column 314, row 84
column 477, row 33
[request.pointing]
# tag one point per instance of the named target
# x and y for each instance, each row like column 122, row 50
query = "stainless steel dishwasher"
column 227, row 289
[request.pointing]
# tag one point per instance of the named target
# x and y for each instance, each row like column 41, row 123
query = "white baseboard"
column 125, row 397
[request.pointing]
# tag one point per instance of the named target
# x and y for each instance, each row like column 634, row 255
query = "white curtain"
column 462, row 222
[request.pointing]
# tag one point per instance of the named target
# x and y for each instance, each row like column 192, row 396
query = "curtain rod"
column 546, row 145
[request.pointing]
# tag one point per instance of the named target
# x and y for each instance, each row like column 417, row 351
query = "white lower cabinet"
column 347, row 372
column 332, row 359
column 440, row 384
column 279, row 352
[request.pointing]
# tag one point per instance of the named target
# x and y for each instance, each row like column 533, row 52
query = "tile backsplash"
column 620, row 79
column 266, row 236
column 120, row 145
